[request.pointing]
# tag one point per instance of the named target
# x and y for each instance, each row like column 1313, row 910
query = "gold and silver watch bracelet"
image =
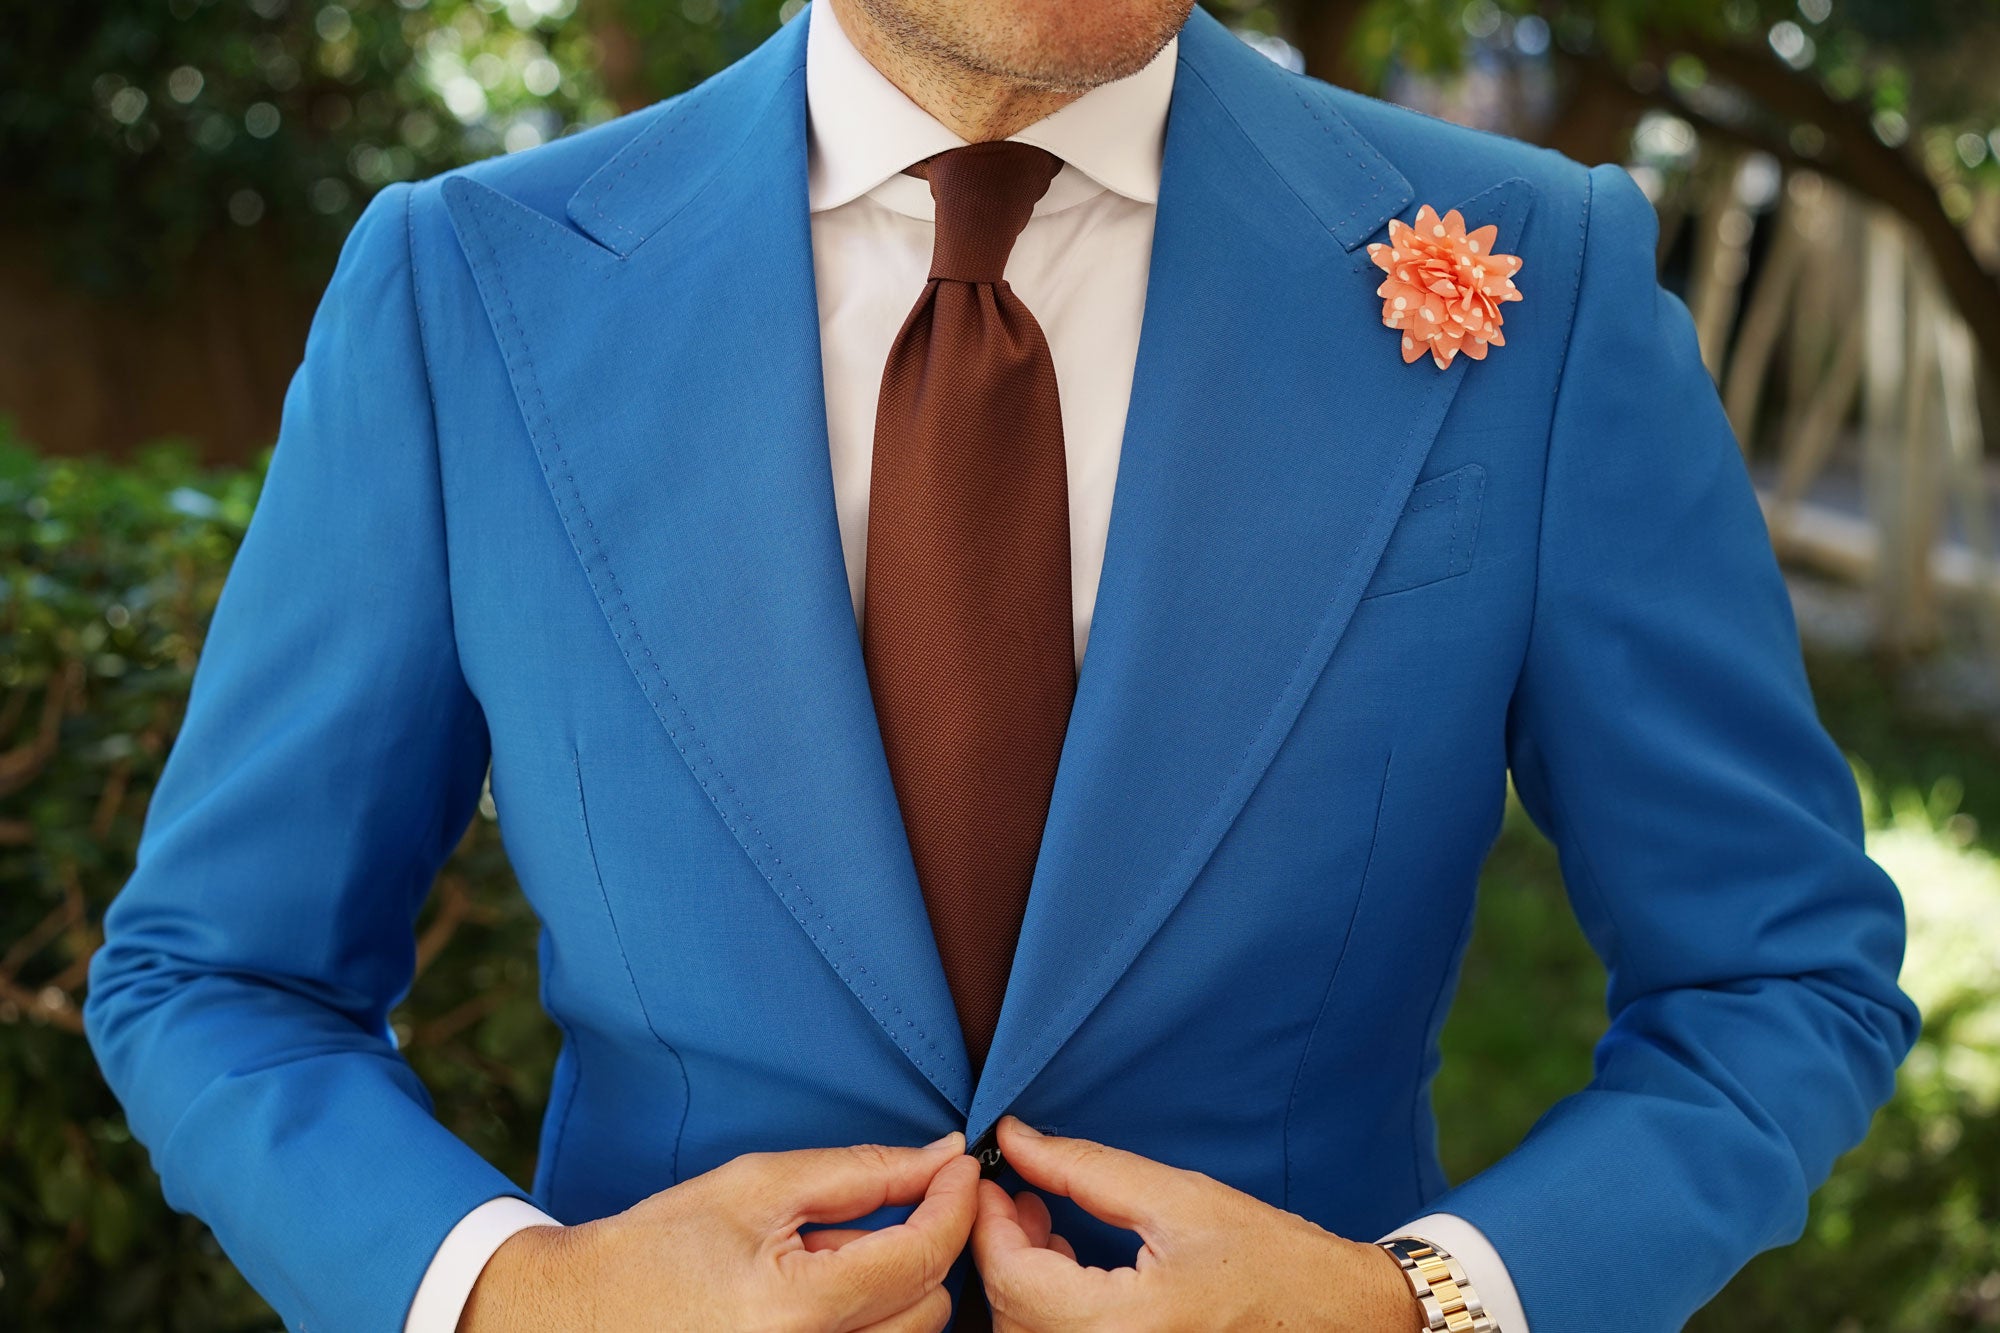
column 1449, row 1303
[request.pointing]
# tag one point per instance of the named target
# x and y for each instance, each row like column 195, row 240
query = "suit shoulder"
column 1409, row 136
column 1446, row 161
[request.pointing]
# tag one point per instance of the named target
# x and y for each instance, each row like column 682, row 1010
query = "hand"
column 723, row 1251
column 1214, row 1258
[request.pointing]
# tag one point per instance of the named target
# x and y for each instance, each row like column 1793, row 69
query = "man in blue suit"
column 625, row 469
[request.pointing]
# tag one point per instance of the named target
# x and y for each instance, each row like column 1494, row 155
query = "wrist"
column 1390, row 1293
column 1446, row 1299
column 522, row 1284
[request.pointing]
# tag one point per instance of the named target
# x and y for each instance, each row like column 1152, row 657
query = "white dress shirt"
column 1080, row 267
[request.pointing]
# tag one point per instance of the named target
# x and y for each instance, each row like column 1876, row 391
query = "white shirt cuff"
column 460, row 1259
column 462, row 1256
column 1481, row 1262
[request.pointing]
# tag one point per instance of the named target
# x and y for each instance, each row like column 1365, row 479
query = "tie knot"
column 984, row 193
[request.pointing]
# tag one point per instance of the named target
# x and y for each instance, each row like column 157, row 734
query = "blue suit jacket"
column 553, row 488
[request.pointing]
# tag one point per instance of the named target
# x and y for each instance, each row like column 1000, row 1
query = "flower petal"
column 1445, row 286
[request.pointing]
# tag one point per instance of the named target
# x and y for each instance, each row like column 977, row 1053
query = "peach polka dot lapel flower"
column 1445, row 286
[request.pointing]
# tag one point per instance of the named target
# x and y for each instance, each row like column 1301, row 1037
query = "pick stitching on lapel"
column 695, row 483
column 1245, row 524
column 667, row 367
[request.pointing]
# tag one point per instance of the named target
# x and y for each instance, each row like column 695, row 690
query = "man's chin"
column 1071, row 46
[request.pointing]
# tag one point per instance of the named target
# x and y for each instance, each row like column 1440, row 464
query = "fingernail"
column 1027, row 1128
column 939, row 1143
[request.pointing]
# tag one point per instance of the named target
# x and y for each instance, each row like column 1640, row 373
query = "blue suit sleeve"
column 1663, row 735
column 330, row 758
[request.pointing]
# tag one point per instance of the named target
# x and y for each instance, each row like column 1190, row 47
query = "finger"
column 876, row 1275
column 997, row 1226
column 1033, row 1215
column 839, row 1184
column 831, row 1238
column 1120, row 1187
column 1060, row 1246
column 1032, row 1285
column 930, row 1314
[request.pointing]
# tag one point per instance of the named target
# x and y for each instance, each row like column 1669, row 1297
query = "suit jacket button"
column 987, row 1149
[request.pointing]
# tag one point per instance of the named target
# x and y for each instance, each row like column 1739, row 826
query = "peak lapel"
column 667, row 365
column 1273, row 438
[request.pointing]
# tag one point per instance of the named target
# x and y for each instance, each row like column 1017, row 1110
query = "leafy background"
column 149, row 137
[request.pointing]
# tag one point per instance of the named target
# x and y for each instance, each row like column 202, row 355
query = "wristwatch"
column 1450, row 1304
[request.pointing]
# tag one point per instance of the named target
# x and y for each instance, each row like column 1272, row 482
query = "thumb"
column 1123, row 1188
column 838, row 1184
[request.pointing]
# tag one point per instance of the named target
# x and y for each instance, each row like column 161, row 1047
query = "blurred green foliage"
column 1855, row 45
column 112, row 572
column 1905, row 1235
column 1917, row 73
column 110, row 576
column 142, row 128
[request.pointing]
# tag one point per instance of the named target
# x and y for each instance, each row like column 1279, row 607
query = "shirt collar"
column 864, row 130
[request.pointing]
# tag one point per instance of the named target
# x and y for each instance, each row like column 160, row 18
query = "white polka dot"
column 1409, row 343
column 1472, row 245
column 1430, row 314
column 1402, row 303
column 1438, row 230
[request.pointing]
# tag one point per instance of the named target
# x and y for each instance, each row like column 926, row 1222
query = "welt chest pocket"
column 1433, row 539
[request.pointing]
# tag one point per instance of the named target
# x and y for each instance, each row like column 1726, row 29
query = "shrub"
column 111, row 572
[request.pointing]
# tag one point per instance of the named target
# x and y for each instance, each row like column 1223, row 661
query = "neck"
column 972, row 103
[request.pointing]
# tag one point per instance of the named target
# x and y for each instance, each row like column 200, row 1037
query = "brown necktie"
column 967, row 622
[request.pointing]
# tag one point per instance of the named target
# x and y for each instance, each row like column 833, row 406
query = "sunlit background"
column 176, row 177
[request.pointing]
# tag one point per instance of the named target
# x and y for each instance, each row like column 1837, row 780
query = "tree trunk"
column 620, row 63
column 1324, row 31
column 1598, row 113
column 1602, row 107
column 1857, row 159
